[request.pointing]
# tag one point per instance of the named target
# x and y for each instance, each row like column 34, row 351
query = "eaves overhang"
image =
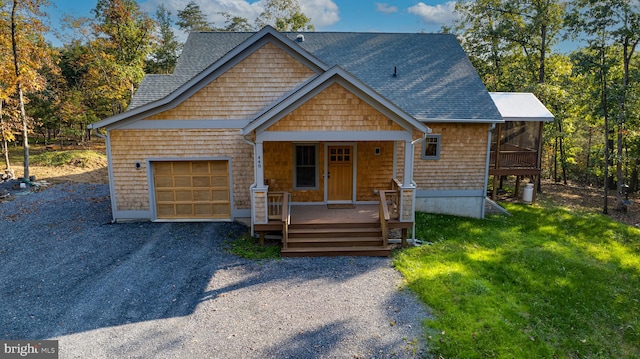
column 233, row 57
column 334, row 75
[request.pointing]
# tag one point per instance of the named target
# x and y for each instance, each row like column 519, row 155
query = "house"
column 268, row 126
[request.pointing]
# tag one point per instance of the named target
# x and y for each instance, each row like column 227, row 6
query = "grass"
column 78, row 158
column 40, row 156
column 248, row 247
column 543, row 283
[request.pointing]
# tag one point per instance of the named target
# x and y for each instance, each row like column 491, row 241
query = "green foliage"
column 166, row 47
column 284, row 15
column 546, row 282
column 248, row 247
column 191, row 18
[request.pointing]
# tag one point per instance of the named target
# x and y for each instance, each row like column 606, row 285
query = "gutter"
column 486, row 170
column 255, row 173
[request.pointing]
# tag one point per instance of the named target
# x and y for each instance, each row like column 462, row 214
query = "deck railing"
column 279, row 209
column 384, row 218
column 512, row 156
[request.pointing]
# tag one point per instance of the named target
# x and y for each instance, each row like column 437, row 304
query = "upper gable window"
column 431, row 147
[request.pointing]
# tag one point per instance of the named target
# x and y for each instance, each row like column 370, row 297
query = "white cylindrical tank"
column 527, row 194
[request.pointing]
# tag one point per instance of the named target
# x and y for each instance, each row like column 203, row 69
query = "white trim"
column 354, row 171
column 181, row 124
column 131, row 215
column 112, row 190
column 461, row 120
column 486, row 169
column 334, row 75
column 435, row 193
column 239, row 53
column 423, row 150
column 152, row 192
column 408, row 163
column 340, row 136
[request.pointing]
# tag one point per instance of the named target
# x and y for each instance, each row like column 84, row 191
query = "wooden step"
column 376, row 251
column 334, row 226
column 333, row 232
column 334, row 242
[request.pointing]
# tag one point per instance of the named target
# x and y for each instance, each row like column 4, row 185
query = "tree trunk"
column 627, row 52
column 603, row 100
column 23, row 115
column 587, row 179
column 563, row 160
column 5, row 146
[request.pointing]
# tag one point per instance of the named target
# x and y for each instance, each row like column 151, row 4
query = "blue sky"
column 326, row 15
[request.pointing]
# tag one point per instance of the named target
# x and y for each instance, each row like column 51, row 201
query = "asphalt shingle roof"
column 435, row 81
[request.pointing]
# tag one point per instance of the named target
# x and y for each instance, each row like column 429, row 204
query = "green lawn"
column 543, row 283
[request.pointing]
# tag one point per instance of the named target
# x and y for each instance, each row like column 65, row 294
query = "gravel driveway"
column 170, row 290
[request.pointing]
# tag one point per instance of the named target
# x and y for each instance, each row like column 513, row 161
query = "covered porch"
column 516, row 144
column 330, row 230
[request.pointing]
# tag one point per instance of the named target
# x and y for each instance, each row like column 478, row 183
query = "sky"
column 326, row 15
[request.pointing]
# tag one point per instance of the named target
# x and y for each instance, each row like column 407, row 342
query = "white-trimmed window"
column 305, row 170
column 431, row 147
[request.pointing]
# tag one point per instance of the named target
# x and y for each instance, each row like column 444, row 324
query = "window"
column 305, row 174
column 431, row 147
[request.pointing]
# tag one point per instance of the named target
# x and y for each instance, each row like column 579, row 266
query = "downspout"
column 486, row 171
column 112, row 192
column 415, row 185
column 255, row 170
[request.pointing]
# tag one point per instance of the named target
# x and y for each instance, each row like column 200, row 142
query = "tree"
column 165, row 53
column 193, row 19
column 284, row 15
column 116, row 56
column 28, row 54
column 235, row 23
column 605, row 25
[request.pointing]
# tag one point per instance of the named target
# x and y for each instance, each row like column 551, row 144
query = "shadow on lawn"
column 66, row 269
column 553, row 282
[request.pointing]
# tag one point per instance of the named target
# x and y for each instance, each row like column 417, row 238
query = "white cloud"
column 386, row 8
column 212, row 8
column 321, row 12
column 441, row 14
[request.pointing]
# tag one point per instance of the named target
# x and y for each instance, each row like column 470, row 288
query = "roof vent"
column 300, row 38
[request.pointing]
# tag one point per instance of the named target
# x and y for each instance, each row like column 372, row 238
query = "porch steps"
column 331, row 239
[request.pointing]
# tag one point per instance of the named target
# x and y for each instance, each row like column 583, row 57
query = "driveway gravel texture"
column 172, row 290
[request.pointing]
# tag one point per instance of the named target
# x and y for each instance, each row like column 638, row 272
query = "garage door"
column 192, row 189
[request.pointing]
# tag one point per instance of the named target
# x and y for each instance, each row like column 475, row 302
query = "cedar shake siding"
column 244, row 90
column 131, row 146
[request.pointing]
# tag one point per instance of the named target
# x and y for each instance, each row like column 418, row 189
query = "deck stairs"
column 335, row 239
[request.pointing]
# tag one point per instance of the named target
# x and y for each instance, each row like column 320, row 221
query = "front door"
column 340, row 174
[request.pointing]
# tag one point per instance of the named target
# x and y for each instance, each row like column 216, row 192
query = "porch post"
column 259, row 164
column 408, row 190
column 408, row 164
column 259, row 198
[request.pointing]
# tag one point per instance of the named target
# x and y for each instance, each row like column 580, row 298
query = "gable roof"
column 521, row 106
column 334, row 75
column 427, row 76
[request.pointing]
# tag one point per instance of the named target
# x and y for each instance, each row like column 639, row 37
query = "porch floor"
column 321, row 214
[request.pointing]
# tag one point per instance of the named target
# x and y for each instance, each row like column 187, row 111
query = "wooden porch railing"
column 384, row 218
column 514, row 157
column 279, row 209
